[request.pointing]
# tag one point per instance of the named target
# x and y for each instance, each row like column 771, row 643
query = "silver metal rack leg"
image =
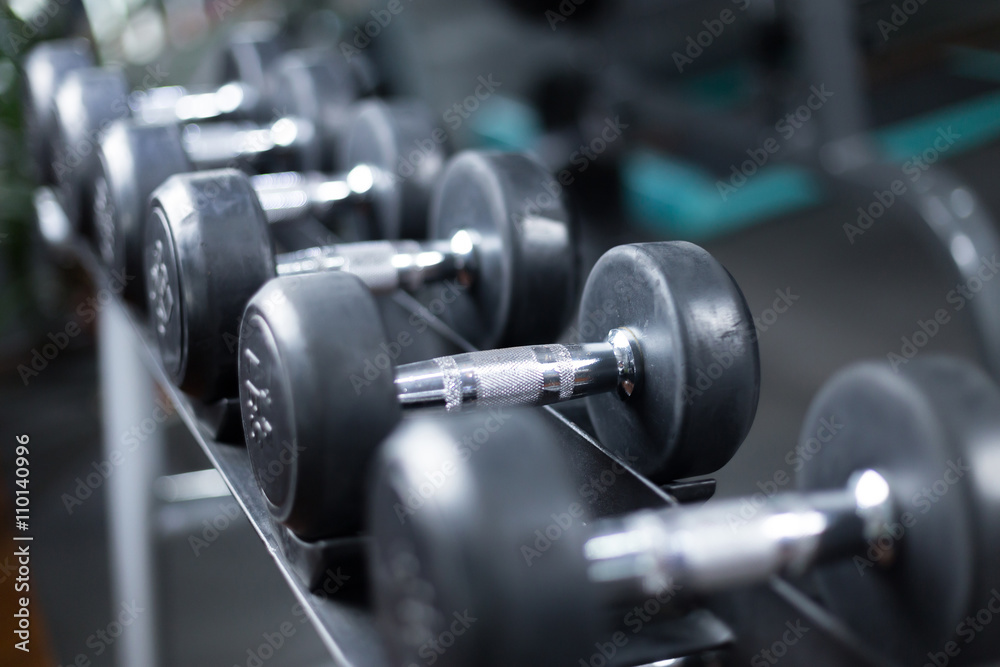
column 128, row 393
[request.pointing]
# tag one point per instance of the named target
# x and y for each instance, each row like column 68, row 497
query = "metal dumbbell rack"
column 743, row 623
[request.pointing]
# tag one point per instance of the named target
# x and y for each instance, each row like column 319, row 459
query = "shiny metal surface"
column 388, row 265
column 290, row 195
column 173, row 104
column 720, row 546
column 522, row 376
column 216, row 145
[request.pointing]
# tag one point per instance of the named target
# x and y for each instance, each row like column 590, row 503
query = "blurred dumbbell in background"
column 377, row 194
column 208, row 249
column 45, row 68
column 102, row 94
column 906, row 581
column 315, row 87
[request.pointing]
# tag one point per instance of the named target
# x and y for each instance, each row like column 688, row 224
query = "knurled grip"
column 508, row 377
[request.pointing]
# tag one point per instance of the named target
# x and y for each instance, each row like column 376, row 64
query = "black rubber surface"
column 456, row 555
column 214, row 253
column 933, row 431
column 316, row 398
column 700, row 364
column 400, row 139
column 87, row 103
column 134, row 160
column 525, row 282
column 252, row 49
column 45, row 68
column 316, row 85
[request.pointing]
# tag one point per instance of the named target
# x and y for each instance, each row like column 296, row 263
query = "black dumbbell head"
column 932, row 430
column 87, row 104
column 452, row 537
column 316, row 85
column 133, row 160
column 313, row 364
column 699, row 359
column 401, row 140
column 252, row 49
column 525, row 286
column 207, row 249
column 45, row 68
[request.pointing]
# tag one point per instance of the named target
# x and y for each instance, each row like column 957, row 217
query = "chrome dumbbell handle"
column 724, row 544
column 522, row 376
column 388, row 265
column 177, row 104
column 290, row 195
column 214, row 145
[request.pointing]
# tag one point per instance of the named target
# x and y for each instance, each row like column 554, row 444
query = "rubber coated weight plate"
column 700, row 365
column 163, row 294
column 87, row 103
column 207, row 250
column 134, row 160
column 932, row 431
column 401, row 140
column 316, row 85
column 45, row 68
column 524, row 289
column 310, row 369
column 449, row 531
column 253, row 49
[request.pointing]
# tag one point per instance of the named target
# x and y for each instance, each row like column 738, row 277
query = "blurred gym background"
column 688, row 108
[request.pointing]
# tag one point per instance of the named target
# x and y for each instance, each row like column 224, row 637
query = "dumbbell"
column 895, row 517
column 136, row 158
column 207, row 250
column 45, row 68
column 672, row 311
column 249, row 52
column 313, row 88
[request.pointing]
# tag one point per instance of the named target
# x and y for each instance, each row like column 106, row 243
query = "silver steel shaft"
column 382, row 265
column 732, row 543
column 218, row 144
column 291, row 195
column 520, row 376
column 172, row 104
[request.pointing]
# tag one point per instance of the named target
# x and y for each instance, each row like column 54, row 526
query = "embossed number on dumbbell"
column 104, row 221
column 258, row 400
column 162, row 296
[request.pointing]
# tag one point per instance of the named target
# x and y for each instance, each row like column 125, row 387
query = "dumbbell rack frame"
column 743, row 622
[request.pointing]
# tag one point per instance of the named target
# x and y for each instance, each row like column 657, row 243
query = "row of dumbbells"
column 308, row 325
column 664, row 355
column 105, row 148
